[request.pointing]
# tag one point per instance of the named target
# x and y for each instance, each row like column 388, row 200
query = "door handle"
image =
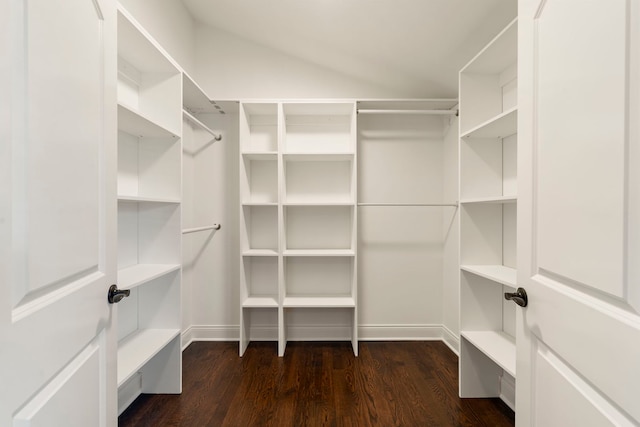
column 519, row 297
column 115, row 295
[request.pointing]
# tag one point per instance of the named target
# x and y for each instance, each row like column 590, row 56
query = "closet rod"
column 408, row 204
column 208, row 227
column 432, row 112
column 195, row 121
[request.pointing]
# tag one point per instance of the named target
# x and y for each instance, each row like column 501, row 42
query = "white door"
column 578, row 340
column 57, row 212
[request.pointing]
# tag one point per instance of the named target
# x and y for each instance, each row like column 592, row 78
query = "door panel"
column 556, row 382
column 60, row 76
column 57, row 213
column 580, row 143
column 58, row 398
column 578, row 341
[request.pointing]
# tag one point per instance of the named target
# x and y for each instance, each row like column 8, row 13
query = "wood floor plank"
column 318, row 384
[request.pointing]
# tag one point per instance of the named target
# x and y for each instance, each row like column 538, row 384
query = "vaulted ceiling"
column 403, row 44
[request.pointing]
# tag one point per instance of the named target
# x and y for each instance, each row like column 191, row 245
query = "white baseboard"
column 209, row 333
column 325, row 332
column 399, row 332
column 451, row 340
column 508, row 390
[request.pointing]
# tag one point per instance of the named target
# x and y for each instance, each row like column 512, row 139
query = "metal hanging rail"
column 195, row 121
column 196, row 229
column 425, row 112
column 409, row 204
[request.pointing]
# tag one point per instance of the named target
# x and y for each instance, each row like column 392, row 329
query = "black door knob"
column 519, row 297
column 115, row 295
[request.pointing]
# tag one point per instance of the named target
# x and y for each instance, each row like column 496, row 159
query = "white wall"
column 211, row 259
column 229, row 67
column 169, row 22
column 400, row 254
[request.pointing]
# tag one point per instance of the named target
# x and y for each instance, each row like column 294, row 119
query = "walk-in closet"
column 320, row 213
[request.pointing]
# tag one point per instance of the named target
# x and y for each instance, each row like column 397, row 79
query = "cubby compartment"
column 488, row 235
column 259, row 281
column 487, row 332
column 147, row 79
column 319, row 128
column 148, row 167
column 319, row 179
column 259, row 128
column 148, row 326
column 319, row 228
column 319, row 280
column 148, row 233
column 488, row 169
column 259, row 178
column 258, row 324
column 259, row 230
column 488, row 88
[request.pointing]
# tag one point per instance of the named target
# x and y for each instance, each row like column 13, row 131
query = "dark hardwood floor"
column 318, row 384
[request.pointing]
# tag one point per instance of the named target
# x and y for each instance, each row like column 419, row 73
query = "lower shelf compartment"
column 497, row 345
column 260, row 302
column 137, row 349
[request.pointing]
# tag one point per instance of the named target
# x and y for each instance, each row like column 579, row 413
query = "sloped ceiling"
column 408, row 45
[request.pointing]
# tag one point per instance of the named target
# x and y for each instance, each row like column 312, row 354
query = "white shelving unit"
column 298, row 213
column 149, row 233
column 488, row 202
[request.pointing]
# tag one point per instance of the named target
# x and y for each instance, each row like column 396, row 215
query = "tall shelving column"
column 260, row 256
column 488, row 198
column 319, row 212
column 149, row 236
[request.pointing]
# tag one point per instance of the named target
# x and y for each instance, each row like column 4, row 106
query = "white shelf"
column 260, row 155
column 125, row 198
column 260, row 252
column 194, row 99
column 318, row 157
column 259, row 203
column 139, row 49
column 319, row 302
column 496, row 199
column 498, row 273
column 136, row 124
column 498, row 346
column 500, row 53
column 320, row 252
column 319, row 203
column 260, row 302
column 501, row 126
column 139, row 274
column 138, row 348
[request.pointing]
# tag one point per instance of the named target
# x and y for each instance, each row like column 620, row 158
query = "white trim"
column 400, row 332
column 210, row 333
column 451, row 339
column 325, row 332
column 508, row 390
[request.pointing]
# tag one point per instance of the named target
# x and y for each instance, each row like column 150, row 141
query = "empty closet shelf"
column 497, row 345
column 140, row 274
column 497, row 273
